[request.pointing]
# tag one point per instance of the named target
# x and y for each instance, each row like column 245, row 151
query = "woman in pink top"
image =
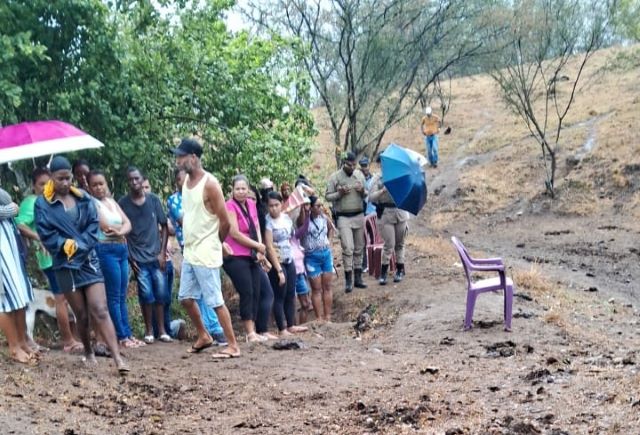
column 247, row 252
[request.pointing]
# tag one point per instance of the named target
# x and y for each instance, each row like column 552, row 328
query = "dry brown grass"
column 438, row 250
column 533, row 281
column 606, row 110
column 569, row 309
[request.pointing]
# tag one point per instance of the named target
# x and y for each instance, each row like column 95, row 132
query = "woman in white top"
column 278, row 233
column 114, row 256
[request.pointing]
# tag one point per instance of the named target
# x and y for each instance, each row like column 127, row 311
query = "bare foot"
column 255, row 338
column 20, row 356
column 285, row 333
column 24, row 347
column 297, row 329
column 270, row 336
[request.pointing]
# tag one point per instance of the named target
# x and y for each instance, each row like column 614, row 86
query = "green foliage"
column 138, row 80
column 627, row 19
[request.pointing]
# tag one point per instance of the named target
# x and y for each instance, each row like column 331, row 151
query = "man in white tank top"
column 205, row 225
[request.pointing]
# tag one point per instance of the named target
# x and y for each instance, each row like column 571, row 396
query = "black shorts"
column 70, row 280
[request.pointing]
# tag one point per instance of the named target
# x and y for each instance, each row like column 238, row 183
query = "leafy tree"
column 139, row 79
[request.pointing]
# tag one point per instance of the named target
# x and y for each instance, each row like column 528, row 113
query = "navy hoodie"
column 54, row 227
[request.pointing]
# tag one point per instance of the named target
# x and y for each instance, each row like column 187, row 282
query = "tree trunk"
column 551, row 176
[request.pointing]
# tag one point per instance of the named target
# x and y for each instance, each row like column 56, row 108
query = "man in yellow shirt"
column 430, row 128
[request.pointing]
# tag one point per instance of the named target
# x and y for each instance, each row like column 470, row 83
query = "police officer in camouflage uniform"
column 346, row 189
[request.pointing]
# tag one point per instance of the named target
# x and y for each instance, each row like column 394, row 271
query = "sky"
column 234, row 19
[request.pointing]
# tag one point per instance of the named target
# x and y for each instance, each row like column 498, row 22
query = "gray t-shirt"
column 144, row 238
column 282, row 230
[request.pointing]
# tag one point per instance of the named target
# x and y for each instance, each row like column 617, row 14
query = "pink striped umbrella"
column 33, row 139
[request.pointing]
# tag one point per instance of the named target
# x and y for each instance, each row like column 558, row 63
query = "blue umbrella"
column 404, row 178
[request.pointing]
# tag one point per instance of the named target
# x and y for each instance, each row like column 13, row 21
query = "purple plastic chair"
column 501, row 282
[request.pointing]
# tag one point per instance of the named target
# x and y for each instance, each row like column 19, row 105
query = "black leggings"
column 284, row 301
column 266, row 303
column 245, row 275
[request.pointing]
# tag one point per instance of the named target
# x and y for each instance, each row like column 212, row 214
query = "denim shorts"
column 301, row 285
column 70, row 280
column 318, row 262
column 201, row 282
column 152, row 285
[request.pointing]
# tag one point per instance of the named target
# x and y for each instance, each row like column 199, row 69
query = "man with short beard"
column 346, row 189
column 205, row 225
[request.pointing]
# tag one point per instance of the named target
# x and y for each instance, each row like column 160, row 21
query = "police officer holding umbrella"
column 392, row 224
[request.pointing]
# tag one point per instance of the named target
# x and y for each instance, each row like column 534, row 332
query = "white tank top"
column 202, row 246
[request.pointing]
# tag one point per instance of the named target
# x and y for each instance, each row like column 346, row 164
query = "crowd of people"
column 275, row 247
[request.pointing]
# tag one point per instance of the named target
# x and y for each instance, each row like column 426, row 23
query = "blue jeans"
column 168, row 277
column 431, row 142
column 115, row 268
column 209, row 318
column 152, row 286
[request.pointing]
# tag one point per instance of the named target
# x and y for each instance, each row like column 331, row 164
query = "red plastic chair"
column 375, row 245
column 501, row 282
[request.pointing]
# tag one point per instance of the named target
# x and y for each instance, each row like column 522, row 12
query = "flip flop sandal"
column 137, row 343
column 32, row 362
column 225, row 355
column 199, row 349
column 127, row 344
column 73, row 348
column 165, row 338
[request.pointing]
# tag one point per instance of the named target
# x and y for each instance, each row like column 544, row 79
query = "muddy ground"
column 569, row 366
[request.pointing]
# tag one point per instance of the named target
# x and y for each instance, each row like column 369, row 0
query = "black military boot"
column 399, row 272
column 358, row 279
column 383, row 274
column 348, row 281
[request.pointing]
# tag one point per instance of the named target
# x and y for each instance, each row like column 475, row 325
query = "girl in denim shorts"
column 318, row 259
